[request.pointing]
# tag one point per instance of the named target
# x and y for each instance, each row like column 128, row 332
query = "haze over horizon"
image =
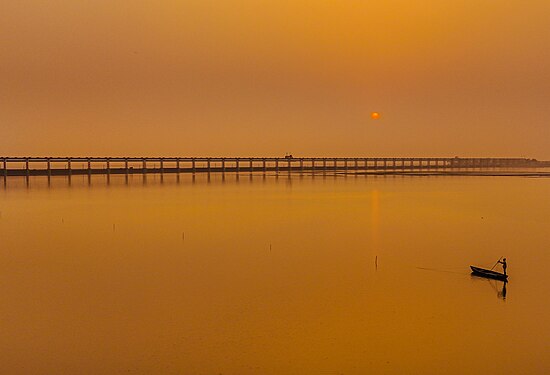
column 261, row 78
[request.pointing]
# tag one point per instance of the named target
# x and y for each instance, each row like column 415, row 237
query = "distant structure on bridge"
column 67, row 166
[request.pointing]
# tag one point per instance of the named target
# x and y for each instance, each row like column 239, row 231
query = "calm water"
column 339, row 275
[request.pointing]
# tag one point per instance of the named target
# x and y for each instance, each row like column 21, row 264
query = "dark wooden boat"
column 488, row 273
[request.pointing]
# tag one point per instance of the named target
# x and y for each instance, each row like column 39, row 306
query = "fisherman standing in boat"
column 504, row 265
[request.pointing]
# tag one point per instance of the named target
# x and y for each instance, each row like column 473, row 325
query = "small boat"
column 488, row 273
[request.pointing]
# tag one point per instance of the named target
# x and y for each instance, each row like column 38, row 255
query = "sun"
column 375, row 115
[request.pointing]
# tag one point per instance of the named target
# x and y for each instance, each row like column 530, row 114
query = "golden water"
column 346, row 275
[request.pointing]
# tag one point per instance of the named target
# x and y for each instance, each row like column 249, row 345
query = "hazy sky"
column 253, row 77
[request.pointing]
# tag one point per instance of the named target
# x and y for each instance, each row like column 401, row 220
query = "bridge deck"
column 48, row 166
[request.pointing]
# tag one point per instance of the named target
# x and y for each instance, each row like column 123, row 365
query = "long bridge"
column 67, row 166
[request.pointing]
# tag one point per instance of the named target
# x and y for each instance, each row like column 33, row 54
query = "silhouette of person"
column 504, row 265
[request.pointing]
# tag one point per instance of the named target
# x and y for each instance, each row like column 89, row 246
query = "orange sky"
column 251, row 77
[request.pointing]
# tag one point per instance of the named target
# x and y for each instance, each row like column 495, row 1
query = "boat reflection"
column 500, row 287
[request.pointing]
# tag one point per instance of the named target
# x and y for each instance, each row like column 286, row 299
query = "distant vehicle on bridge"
column 288, row 156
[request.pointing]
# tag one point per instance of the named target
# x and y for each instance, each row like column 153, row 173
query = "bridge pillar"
column 277, row 165
column 144, row 165
column 335, row 164
column 161, row 165
column 69, row 166
column 288, row 163
column 193, row 165
column 223, row 165
column 264, row 166
column 238, row 166
column 301, row 164
column 324, row 164
column 27, row 167
column 208, row 164
column 108, row 166
column 178, row 165
column 251, row 164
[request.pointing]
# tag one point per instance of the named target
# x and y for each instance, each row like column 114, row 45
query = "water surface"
column 300, row 275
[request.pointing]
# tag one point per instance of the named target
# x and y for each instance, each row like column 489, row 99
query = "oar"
column 496, row 262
